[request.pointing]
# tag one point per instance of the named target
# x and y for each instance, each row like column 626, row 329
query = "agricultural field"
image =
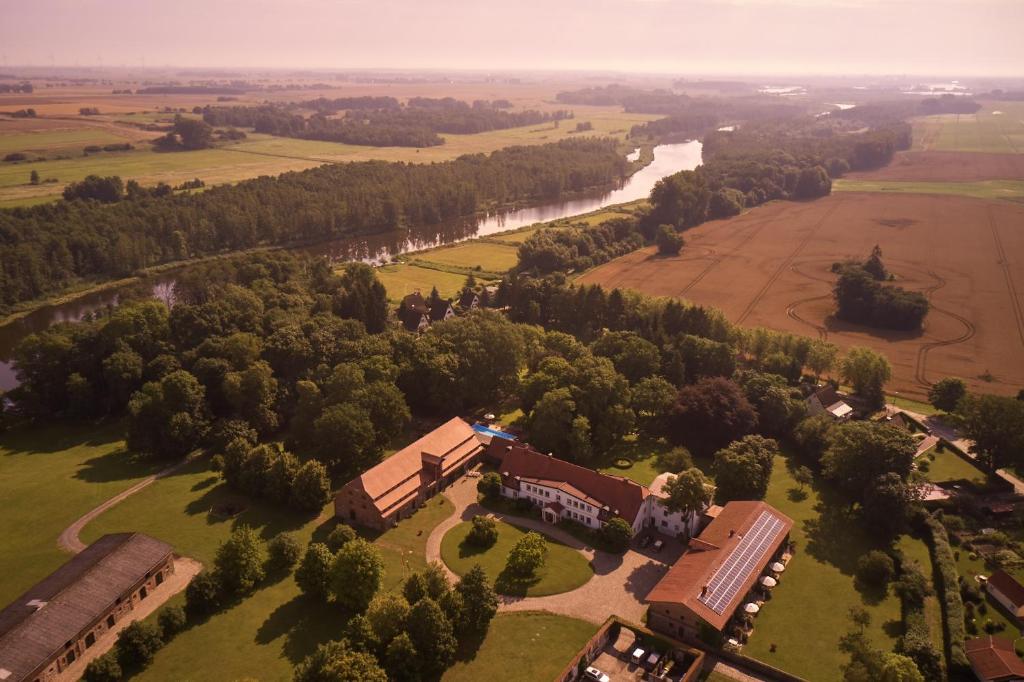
column 944, row 168
column 1012, row 190
column 60, row 132
column 770, row 267
column 997, row 128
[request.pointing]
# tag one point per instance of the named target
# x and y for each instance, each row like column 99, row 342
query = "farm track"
column 921, row 362
column 1004, row 264
column 786, row 263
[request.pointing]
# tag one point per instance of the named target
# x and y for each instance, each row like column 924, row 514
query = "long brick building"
column 50, row 626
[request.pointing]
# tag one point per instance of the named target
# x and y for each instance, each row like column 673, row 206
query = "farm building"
column 564, row 490
column 994, row 660
column 49, row 627
column 1006, row 590
column 713, row 577
column 826, row 400
column 393, row 489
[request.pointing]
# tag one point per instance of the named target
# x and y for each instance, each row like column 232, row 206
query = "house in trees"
column 563, row 490
column 1006, row 590
column 826, row 400
column 441, row 311
column 713, row 578
column 396, row 487
column 993, row 659
column 469, row 300
column 52, row 625
column 414, row 313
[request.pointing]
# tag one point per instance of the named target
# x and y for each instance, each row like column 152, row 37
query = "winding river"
column 380, row 248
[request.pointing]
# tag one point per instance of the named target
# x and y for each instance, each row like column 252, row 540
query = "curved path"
column 69, row 540
column 619, row 585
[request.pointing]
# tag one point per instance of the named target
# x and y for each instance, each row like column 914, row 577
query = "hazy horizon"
column 710, row 37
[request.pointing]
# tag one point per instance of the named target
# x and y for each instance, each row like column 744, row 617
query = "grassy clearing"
column 984, row 131
column 912, row 405
column 405, row 278
column 808, row 612
column 917, row 549
column 565, row 568
column 49, row 476
column 986, row 189
column 644, row 456
column 945, row 465
column 267, row 633
column 485, row 255
column 523, row 646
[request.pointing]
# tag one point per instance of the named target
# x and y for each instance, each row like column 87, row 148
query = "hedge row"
column 917, row 641
column 949, row 587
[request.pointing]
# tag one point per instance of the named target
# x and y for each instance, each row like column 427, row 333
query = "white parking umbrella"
column 778, row 567
column 751, row 608
column 769, row 581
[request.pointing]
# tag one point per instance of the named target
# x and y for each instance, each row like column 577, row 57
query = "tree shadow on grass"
column 61, row 435
column 305, row 624
column 119, row 465
column 468, row 549
column 511, row 585
column 220, row 504
column 834, row 536
column 796, row 494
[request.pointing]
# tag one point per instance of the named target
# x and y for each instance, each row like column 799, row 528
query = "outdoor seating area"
column 742, row 625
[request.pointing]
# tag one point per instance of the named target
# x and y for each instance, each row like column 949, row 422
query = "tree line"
column 45, row 248
column 417, row 124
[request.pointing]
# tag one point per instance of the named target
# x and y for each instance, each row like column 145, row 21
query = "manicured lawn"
column 565, row 568
column 523, row 646
column 488, row 256
column 912, row 405
column 948, row 466
column 808, row 612
column 49, row 476
column 405, row 278
column 264, row 635
column 644, row 455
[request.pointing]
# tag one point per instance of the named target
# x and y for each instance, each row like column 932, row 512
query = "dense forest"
column 378, row 121
column 44, row 248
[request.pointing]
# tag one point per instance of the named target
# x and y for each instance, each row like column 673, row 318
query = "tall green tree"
column 868, row 372
column 356, row 574
column 240, row 561
column 996, row 425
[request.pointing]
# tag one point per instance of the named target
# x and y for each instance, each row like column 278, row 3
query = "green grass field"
column 523, row 646
column 987, row 189
column 404, row 278
column 565, row 568
column 52, row 142
column 267, row 155
column 808, row 612
column 985, row 131
column 948, row 466
column 49, row 476
column 486, row 255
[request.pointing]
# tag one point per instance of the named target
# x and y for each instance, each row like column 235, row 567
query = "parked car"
column 593, row 673
column 646, row 540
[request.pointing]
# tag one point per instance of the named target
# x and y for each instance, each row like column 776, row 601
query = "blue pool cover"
column 483, row 428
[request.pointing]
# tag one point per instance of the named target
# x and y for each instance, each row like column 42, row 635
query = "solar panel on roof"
column 745, row 559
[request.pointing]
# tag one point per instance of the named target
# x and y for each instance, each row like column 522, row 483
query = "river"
column 380, row 248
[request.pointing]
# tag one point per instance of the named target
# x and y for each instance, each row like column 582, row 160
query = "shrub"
column 949, row 590
column 669, row 241
column 137, row 644
column 202, row 596
column 489, row 485
column 313, row 575
column 239, row 561
column 283, row 553
column 528, row 555
column 103, row 669
column 171, row 620
column 876, row 569
column 484, row 532
column 617, row 534
column 340, row 536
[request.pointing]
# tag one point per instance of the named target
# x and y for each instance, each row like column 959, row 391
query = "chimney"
column 703, row 590
column 731, row 533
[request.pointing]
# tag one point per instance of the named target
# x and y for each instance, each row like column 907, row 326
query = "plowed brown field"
column 771, row 268
column 947, row 167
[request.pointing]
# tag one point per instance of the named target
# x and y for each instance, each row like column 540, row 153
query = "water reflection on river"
column 380, row 248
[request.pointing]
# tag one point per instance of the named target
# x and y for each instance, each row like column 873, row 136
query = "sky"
column 921, row 37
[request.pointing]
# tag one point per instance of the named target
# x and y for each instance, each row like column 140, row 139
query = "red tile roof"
column 994, row 659
column 687, row 578
column 622, row 496
column 400, row 477
column 1008, row 587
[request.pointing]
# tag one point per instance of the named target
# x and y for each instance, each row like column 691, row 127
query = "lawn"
column 50, row 475
column 487, row 256
column 644, row 456
column 917, row 549
column 50, row 142
column 808, row 612
column 523, row 646
column 565, row 568
column 984, row 131
column 908, row 404
column 264, row 635
column 948, row 466
column 983, row 189
column 404, row 278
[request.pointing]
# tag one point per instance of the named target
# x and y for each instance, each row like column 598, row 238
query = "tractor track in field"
column 1004, row 265
column 921, row 363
